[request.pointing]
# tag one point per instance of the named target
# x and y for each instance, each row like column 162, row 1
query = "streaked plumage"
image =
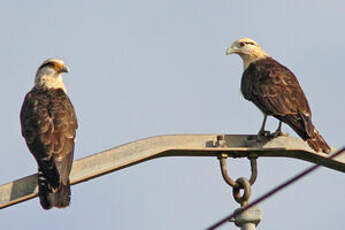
column 49, row 126
column 275, row 90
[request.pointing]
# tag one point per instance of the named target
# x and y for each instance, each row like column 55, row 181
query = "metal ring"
column 245, row 185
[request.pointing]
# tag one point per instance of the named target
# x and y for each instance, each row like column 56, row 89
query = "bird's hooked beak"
column 65, row 69
column 230, row 50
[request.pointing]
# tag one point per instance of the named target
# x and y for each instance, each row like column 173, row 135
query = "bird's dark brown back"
column 275, row 90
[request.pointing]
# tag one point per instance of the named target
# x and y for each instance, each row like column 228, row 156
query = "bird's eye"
column 250, row 43
column 241, row 44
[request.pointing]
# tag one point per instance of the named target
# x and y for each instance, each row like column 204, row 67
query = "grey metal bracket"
column 203, row 145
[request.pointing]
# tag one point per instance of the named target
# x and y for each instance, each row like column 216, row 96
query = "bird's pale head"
column 49, row 74
column 248, row 49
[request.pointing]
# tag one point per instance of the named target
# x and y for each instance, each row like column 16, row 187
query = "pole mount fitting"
column 254, row 171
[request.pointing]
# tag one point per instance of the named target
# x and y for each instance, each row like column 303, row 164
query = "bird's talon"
column 264, row 133
column 279, row 133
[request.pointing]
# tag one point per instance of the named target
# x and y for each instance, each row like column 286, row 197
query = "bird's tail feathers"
column 52, row 192
column 317, row 143
column 59, row 199
column 306, row 131
column 311, row 135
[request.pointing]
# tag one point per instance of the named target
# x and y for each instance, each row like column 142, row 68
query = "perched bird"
column 274, row 89
column 49, row 126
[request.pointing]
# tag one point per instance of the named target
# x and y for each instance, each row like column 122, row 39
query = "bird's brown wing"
column 65, row 125
column 276, row 91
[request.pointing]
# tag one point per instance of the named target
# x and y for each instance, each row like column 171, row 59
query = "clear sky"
column 146, row 68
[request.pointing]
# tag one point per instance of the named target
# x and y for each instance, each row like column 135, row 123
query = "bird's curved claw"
column 262, row 135
column 279, row 133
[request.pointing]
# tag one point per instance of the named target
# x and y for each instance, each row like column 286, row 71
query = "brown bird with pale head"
column 49, row 126
column 275, row 90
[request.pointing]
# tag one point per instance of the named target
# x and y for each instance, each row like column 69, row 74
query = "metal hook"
column 227, row 178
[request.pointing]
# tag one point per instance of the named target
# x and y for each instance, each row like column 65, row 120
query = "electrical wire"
column 273, row 191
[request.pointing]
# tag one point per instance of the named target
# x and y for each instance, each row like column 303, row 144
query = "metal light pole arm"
column 171, row 145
